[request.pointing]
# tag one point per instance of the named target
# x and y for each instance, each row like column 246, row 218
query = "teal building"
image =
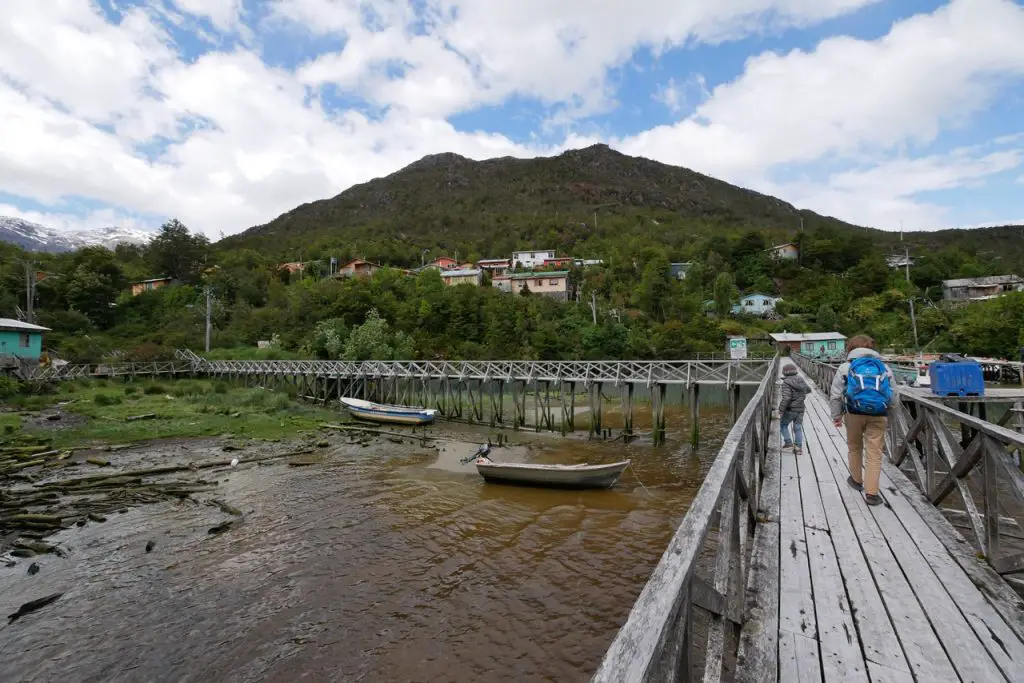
column 21, row 339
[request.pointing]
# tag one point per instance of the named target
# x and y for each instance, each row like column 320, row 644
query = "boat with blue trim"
column 379, row 412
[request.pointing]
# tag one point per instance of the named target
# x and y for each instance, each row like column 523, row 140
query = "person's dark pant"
column 797, row 420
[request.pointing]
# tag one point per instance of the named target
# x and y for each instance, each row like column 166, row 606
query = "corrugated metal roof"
column 808, row 336
column 12, row 324
column 540, row 275
column 984, row 281
column 459, row 273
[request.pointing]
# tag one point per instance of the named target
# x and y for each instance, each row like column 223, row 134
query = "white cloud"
column 886, row 195
column 479, row 52
column 113, row 112
column 72, row 222
column 849, row 95
column 223, row 14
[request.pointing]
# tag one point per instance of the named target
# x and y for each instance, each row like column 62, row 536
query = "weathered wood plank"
column 967, row 653
column 891, row 622
column 757, row 657
column 993, row 610
column 638, row 648
column 798, row 658
column 796, row 605
column 841, row 656
column 883, row 674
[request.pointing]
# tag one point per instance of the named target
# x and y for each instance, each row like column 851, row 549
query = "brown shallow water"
column 385, row 563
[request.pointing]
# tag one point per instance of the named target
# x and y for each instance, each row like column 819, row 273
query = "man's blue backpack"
column 868, row 391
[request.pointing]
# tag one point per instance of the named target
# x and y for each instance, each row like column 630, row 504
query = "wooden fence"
column 657, row 642
column 979, row 466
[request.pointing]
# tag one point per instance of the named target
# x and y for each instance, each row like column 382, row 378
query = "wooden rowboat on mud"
column 552, row 476
column 389, row 414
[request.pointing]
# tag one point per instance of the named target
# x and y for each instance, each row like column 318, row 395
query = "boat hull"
column 553, row 476
column 390, row 418
column 386, row 414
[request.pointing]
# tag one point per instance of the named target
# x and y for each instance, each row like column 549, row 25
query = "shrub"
column 220, row 388
column 154, row 389
column 107, row 400
column 130, row 389
column 9, row 387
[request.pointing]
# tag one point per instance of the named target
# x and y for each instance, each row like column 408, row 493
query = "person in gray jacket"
column 791, row 408
column 865, row 434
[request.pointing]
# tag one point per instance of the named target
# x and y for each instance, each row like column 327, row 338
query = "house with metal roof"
column 21, row 339
column 821, row 345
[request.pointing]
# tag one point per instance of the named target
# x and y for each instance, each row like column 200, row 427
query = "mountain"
column 499, row 204
column 34, row 237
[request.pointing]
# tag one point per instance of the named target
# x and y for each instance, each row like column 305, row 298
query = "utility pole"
column 593, row 306
column 913, row 318
column 30, row 291
column 209, row 311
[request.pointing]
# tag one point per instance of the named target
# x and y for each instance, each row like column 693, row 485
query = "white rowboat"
column 555, row 476
column 379, row 412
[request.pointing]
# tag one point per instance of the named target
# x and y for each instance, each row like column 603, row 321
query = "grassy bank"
column 99, row 411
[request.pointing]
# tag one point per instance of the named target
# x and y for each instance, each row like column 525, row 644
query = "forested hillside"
column 636, row 215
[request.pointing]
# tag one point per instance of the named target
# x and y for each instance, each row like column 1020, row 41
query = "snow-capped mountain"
column 35, row 237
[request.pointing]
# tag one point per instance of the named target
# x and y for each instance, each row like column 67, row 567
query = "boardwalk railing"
column 76, row 371
column 686, row 372
column 657, row 641
column 978, row 465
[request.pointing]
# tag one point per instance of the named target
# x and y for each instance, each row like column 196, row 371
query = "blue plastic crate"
column 957, row 379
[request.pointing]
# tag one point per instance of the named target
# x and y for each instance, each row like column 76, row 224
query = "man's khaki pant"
column 869, row 431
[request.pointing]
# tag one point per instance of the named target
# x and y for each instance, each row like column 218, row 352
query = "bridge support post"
column 734, row 403
column 658, row 392
column 572, row 407
column 626, row 391
column 595, row 409
column 695, row 415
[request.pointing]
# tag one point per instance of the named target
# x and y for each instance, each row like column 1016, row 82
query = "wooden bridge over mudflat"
column 486, row 392
column 781, row 572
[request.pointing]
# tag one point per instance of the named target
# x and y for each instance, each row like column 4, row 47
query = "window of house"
column 538, row 283
column 832, row 346
column 749, row 303
column 24, row 341
column 552, row 282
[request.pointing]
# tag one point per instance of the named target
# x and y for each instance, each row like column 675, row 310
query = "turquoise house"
column 756, row 304
column 20, row 339
column 827, row 346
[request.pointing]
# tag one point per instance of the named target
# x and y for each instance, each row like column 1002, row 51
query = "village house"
column 785, row 252
column 495, row 266
column 899, row 261
column 20, row 339
column 554, row 284
column 981, row 288
column 678, row 270
column 358, row 268
column 819, row 345
column 755, row 304
column 293, row 267
column 559, row 263
column 149, row 285
column 462, row 276
column 588, row 262
column 528, row 260
column 441, row 263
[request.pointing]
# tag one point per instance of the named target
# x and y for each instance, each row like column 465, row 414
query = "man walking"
column 862, row 389
column 791, row 407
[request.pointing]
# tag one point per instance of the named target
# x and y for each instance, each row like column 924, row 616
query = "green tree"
column 374, row 340
column 177, row 253
column 826, row 318
column 654, row 288
column 725, row 293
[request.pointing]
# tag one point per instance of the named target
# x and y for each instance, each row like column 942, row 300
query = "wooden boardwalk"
column 882, row 594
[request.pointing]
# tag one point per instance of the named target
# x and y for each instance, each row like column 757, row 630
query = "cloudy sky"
column 226, row 113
